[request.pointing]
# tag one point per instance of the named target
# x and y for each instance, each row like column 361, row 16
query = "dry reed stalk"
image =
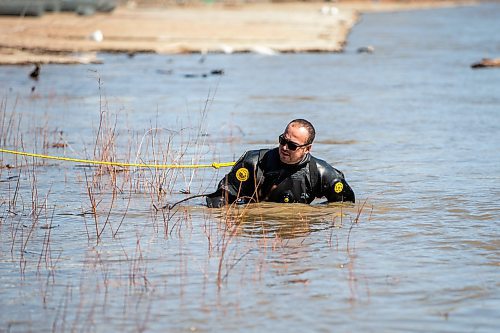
column 138, row 268
column 199, row 141
column 231, row 222
column 228, row 233
column 104, row 176
column 62, row 307
column 36, row 207
column 10, row 124
column 105, row 144
column 156, row 181
column 207, row 229
column 353, row 278
column 354, row 222
column 45, row 251
column 13, row 200
column 125, row 212
column 93, row 205
column 332, row 226
column 93, row 195
column 43, row 132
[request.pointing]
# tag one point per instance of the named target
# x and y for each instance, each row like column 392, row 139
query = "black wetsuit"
column 259, row 175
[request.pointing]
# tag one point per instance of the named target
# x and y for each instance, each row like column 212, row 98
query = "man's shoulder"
column 254, row 156
column 326, row 168
column 321, row 163
column 257, row 151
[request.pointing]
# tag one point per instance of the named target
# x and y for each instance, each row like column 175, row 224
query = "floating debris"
column 486, row 62
column 36, row 72
column 164, row 71
column 213, row 72
column 366, row 49
column 59, row 145
column 11, row 178
column 48, row 226
column 217, row 72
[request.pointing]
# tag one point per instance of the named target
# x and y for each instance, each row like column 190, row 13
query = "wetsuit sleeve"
column 229, row 187
column 334, row 187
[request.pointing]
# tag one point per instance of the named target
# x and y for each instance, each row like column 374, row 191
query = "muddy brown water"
column 412, row 126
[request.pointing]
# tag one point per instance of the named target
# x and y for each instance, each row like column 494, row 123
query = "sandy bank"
column 263, row 28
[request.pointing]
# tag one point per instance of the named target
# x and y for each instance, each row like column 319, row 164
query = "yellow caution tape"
column 138, row 165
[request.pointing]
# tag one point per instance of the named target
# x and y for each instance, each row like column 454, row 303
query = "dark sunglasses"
column 290, row 144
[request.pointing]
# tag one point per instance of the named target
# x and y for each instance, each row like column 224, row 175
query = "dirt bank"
column 260, row 27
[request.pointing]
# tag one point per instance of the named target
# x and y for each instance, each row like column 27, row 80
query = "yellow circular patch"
column 242, row 174
column 286, row 199
column 338, row 187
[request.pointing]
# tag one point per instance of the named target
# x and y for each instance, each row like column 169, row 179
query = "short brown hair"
column 308, row 126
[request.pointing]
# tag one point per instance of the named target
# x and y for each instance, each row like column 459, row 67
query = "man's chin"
column 285, row 159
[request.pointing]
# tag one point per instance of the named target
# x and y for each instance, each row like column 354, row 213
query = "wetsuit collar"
column 305, row 160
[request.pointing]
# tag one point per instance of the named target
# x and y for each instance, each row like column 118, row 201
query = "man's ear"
column 308, row 148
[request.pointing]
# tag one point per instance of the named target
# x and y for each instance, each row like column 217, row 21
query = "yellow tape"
column 138, row 165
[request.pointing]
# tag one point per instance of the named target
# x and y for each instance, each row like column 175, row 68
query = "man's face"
column 294, row 137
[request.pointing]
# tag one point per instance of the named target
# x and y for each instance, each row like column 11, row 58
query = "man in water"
column 287, row 173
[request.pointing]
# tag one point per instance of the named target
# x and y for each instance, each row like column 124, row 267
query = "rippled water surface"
column 413, row 127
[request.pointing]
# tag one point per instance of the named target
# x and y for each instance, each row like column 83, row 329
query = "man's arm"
column 228, row 188
column 221, row 197
column 333, row 184
column 340, row 191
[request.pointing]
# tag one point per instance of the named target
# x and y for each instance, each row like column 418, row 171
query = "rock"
column 486, row 63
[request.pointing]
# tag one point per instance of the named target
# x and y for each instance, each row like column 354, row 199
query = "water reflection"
column 268, row 220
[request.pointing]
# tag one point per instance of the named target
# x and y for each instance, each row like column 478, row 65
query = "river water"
column 415, row 130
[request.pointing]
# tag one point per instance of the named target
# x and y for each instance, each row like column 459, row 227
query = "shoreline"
column 267, row 28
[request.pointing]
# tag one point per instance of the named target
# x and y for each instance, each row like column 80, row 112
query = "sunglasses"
column 290, row 144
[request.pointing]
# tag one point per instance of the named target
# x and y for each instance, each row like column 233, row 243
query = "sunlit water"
column 415, row 130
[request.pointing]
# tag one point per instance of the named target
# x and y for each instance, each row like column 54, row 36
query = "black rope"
column 171, row 206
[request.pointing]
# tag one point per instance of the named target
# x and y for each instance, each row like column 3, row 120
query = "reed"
column 355, row 222
column 10, row 124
